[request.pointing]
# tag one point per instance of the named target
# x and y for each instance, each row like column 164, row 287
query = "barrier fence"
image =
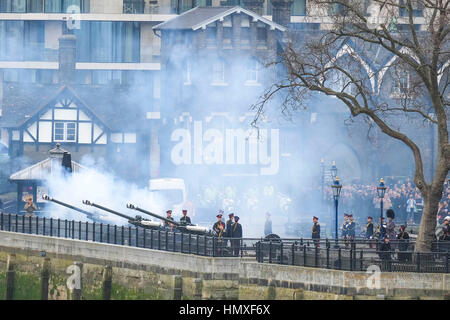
column 355, row 255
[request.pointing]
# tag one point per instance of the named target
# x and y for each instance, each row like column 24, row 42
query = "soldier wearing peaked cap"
column 219, row 228
column 316, row 231
column 166, row 224
column 351, row 226
column 185, row 219
column 236, row 234
column 229, row 225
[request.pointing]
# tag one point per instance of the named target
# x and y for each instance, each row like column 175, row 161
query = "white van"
column 172, row 191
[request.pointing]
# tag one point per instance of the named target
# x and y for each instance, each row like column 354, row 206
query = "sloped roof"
column 44, row 170
column 199, row 17
column 118, row 109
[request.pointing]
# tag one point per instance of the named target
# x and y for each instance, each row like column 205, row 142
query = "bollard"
column 10, row 276
column 271, row 291
column 198, row 289
column 177, row 287
column 45, row 276
column 107, row 282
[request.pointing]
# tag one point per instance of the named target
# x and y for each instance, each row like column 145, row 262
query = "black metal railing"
column 355, row 255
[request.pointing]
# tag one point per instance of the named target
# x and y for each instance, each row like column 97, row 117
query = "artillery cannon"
column 137, row 221
column 189, row 228
column 92, row 216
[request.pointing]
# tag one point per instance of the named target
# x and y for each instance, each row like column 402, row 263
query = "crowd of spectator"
column 401, row 195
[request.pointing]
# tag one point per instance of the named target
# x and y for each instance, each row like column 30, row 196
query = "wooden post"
column 10, row 276
column 107, row 282
column 45, row 276
column 177, row 287
column 271, row 290
column 198, row 289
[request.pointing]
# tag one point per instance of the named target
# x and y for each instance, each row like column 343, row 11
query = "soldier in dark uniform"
column 345, row 227
column 168, row 225
column 316, row 231
column 236, row 232
column 403, row 243
column 351, row 226
column 228, row 226
column 185, row 219
column 382, row 229
column 385, row 254
column 218, row 228
column 369, row 231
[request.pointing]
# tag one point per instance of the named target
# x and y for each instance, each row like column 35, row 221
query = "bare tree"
column 419, row 52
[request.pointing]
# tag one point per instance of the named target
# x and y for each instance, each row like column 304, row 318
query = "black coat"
column 369, row 230
column 228, row 226
column 403, row 238
column 185, row 220
column 385, row 249
column 236, row 230
column 316, row 231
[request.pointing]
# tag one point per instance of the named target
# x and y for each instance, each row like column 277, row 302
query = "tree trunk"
column 428, row 221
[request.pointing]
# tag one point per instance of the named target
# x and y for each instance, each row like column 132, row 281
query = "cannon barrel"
column 137, row 221
column 89, row 203
column 90, row 215
column 134, row 207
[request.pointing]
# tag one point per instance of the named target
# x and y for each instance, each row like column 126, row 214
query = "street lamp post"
column 381, row 190
column 333, row 170
column 322, row 168
column 336, row 186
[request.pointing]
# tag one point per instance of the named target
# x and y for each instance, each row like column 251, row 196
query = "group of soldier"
column 228, row 233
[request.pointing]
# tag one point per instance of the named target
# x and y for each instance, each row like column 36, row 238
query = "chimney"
column 67, row 56
column 254, row 5
column 281, row 12
column 67, row 162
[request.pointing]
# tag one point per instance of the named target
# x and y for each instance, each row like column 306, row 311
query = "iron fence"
column 355, row 255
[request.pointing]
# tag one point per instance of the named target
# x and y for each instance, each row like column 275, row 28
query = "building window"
column 227, row 33
column 13, row 6
column 245, row 35
column 180, row 6
column 133, row 6
column 417, row 7
column 401, row 82
column 35, row 6
column 107, row 41
column 203, row 3
column 298, row 8
column 22, row 40
column 61, row 6
column 218, row 72
column 107, row 77
column 65, row 131
column 253, row 72
column 211, row 36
